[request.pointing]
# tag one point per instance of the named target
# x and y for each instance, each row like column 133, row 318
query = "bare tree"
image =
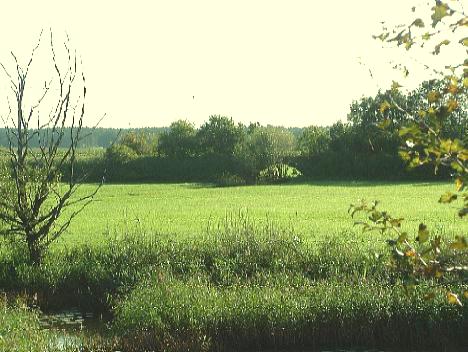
column 33, row 192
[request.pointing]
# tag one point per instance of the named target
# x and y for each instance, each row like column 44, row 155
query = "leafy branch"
column 420, row 259
column 427, row 257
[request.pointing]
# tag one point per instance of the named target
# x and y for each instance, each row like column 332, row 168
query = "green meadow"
column 178, row 267
column 312, row 210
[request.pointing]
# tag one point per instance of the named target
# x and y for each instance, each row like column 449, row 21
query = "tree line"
column 366, row 146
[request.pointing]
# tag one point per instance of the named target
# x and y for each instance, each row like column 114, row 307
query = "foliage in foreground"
column 426, row 143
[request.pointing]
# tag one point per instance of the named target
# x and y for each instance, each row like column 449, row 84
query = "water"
column 73, row 320
column 72, row 326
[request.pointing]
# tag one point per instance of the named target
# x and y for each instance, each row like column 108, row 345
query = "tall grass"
column 236, row 251
column 197, row 316
column 20, row 330
column 245, row 284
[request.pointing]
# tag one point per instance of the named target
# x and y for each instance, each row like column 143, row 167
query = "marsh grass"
column 235, row 251
column 20, row 329
column 248, row 284
column 319, row 315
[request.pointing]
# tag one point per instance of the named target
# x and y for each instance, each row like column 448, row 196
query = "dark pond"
column 74, row 320
column 71, row 326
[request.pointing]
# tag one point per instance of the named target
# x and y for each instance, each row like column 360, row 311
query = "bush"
column 264, row 148
column 120, row 154
column 278, row 173
column 140, row 142
column 179, row 142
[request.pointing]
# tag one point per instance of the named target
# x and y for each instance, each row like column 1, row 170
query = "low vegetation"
column 242, row 277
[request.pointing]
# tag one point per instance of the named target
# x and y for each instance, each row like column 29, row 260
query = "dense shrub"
column 203, row 168
column 140, row 143
column 314, row 140
column 278, row 173
column 120, row 154
column 179, row 142
column 363, row 166
column 219, row 135
column 264, row 148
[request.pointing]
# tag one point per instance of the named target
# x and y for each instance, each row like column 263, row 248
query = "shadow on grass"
column 323, row 183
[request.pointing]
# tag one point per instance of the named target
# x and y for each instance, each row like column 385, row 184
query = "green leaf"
column 384, row 124
column 459, row 243
column 464, row 41
column 438, row 46
column 452, row 298
column 418, row 23
column 453, row 88
column 440, row 11
column 381, row 36
column 463, row 22
column 396, row 85
column 433, row 96
column 404, row 155
column 405, row 72
column 459, row 185
column 463, row 155
column 423, row 233
column 408, row 43
column 448, row 197
column 456, row 166
column 451, row 146
column 384, row 106
column 411, row 130
column 452, row 105
column 403, row 237
column 426, row 36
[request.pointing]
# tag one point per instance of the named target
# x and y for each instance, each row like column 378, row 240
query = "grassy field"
column 193, row 267
column 312, row 210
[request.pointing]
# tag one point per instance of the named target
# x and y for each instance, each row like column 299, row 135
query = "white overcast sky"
column 291, row 63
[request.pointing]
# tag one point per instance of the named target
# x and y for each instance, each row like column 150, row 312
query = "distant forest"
column 366, row 146
column 104, row 137
column 93, row 138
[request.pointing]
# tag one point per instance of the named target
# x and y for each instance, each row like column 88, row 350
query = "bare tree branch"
column 36, row 199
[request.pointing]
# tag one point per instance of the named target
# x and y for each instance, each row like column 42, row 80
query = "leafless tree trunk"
column 35, row 195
